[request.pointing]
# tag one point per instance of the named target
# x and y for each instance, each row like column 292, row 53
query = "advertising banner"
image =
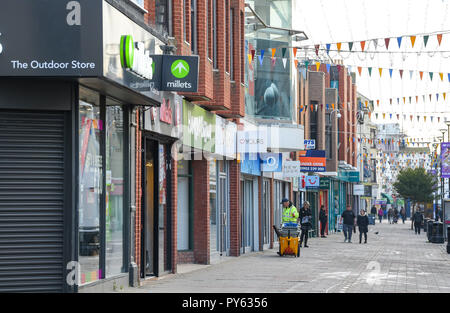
column 445, row 159
column 251, row 141
column 312, row 182
column 199, row 127
column 310, row 144
column 291, row 169
column 358, row 190
column 271, row 162
column 313, row 161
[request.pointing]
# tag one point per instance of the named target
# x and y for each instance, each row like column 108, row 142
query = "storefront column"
column 174, row 207
column 235, row 216
column 200, row 170
column 260, row 210
column 271, row 212
column 138, row 184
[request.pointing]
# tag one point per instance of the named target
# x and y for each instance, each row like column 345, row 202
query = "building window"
column 328, row 137
column 242, row 62
column 231, row 43
column 313, row 122
column 184, row 20
column 227, row 34
column 214, row 30
column 194, row 26
column 162, row 21
column 208, row 13
column 185, row 214
column 138, row 2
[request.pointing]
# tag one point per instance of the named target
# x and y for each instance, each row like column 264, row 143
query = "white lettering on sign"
column 74, row 16
column 142, row 64
column 179, row 84
column 1, row 47
column 16, row 64
column 199, row 128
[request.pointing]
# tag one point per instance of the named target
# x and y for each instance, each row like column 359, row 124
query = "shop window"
column 114, row 189
column 213, row 205
column 101, row 187
column 90, row 185
column 185, row 206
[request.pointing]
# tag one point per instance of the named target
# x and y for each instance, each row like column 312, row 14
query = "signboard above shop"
column 313, row 161
column 271, row 162
column 310, row 144
column 94, row 42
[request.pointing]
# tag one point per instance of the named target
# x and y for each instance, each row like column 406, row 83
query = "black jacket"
column 374, row 211
column 363, row 223
column 418, row 217
column 323, row 216
column 304, row 213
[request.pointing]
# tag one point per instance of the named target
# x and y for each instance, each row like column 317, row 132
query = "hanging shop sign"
column 179, row 73
column 225, row 137
column 310, row 144
column 291, row 169
column 313, row 161
column 250, row 164
column 271, row 162
column 358, row 190
column 199, row 127
column 166, row 119
column 445, row 160
column 312, row 182
column 325, row 183
column 349, row 176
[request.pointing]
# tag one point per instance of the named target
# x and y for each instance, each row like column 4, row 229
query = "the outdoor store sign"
column 51, row 38
column 199, row 127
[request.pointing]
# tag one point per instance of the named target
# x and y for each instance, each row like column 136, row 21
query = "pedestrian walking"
column 373, row 211
column 439, row 214
column 348, row 218
column 323, row 221
column 305, row 217
column 363, row 225
column 390, row 213
column 403, row 214
column 417, row 219
column 380, row 214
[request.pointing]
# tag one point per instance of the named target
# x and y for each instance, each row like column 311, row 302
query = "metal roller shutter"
column 31, row 201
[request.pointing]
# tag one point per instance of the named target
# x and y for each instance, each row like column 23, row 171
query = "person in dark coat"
column 363, row 225
column 403, row 214
column 323, row 221
column 417, row 219
column 305, row 216
column 373, row 211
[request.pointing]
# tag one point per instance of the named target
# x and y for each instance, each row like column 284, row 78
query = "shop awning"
column 388, row 197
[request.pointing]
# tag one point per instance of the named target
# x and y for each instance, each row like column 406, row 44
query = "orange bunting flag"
column 417, row 99
column 249, row 58
column 413, row 39
column 363, row 43
column 295, row 52
column 439, row 38
column 404, row 100
column 359, row 70
column 338, row 45
column 421, row 75
column 317, row 66
column 441, row 75
column 381, row 70
column 444, row 94
column 296, row 63
column 378, row 102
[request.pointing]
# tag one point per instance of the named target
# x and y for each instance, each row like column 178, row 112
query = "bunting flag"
column 249, row 58
column 380, row 70
column 390, row 72
column 437, row 97
column 386, row 42
column 417, row 99
column 421, row 75
column 410, row 74
column 332, row 105
column 431, row 76
column 399, row 40
column 439, row 38
column 401, row 74
column 296, row 63
column 273, row 52
column 443, row 94
column 261, row 56
column 283, row 54
column 253, row 54
column 370, row 71
column 363, row 43
column 284, row 62
column 295, row 52
column 413, row 40
column 338, row 46
column 360, row 68
column 378, row 102
column 328, row 48
column 317, row 66
column 425, row 40
column 390, row 100
column 328, row 68
column 441, row 75
column 350, row 46
column 317, row 49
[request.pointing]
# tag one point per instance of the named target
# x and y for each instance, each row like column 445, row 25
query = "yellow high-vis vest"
column 290, row 215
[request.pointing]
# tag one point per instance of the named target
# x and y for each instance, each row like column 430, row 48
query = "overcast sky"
column 331, row 21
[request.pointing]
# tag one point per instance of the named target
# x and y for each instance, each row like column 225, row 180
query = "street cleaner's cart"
column 288, row 234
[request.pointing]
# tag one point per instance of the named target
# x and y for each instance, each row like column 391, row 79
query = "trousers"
column 348, row 229
column 417, row 227
column 322, row 228
column 304, row 236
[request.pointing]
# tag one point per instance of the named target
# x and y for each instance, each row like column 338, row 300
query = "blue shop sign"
column 250, row 164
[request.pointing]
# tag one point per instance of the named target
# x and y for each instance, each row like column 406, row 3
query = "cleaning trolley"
column 288, row 234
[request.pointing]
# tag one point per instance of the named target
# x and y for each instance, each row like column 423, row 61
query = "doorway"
column 149, row 234
column 247, row 216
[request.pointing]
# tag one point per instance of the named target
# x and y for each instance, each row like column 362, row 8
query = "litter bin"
column 429, row 224
column 437, row 233
column 448, row 241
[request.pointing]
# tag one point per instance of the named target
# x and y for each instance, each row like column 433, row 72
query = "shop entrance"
column 247, row 216
column 149, row 240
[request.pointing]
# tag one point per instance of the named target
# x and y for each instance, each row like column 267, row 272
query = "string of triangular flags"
column 383, row 115
column 376, row 41
column 439, row 95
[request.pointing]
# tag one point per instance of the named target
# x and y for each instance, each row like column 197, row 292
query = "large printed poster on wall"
column 445, row 159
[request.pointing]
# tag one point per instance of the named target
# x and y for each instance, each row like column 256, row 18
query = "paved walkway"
column 394, row 260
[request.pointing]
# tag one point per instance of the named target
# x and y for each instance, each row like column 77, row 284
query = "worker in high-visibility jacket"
column 290, row 213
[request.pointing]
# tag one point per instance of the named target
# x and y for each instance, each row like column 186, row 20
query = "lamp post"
column 441, row 139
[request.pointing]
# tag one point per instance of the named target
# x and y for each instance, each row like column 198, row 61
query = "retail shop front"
column 66, row 105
